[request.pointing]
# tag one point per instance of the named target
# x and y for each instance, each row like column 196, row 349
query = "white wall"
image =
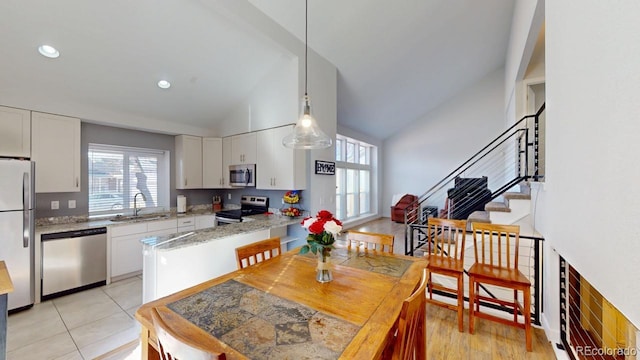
column 593, row 113
column 434, row 145
column 321, row 189
column 271, row 103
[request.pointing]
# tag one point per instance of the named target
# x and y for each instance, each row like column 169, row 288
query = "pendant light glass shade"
column 307, row 134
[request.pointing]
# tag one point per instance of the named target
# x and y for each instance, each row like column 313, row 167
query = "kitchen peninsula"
column 175, row 262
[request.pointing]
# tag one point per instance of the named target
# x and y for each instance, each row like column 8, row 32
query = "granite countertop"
column 259, row 222
column 70, row 223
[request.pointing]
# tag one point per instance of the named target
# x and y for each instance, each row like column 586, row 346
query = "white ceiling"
column 396, row 60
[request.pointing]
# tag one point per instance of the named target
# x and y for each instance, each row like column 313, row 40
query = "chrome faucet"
column 135, row 204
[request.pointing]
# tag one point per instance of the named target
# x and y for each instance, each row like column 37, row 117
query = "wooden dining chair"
column 496, row 256
column 173, row 346
column 371, row 241
column 445, row 254
column 257, row 252
column 411, row 342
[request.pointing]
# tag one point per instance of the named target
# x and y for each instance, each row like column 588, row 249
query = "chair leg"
column 527, row 317
column 515, row 306
column 460, row 303
column 430, row 285
column 472, row 301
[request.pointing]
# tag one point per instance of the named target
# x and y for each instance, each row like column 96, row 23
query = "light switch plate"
column 55, row 205
column 72, row 204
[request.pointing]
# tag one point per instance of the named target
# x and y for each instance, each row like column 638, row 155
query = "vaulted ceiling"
column 396, row 60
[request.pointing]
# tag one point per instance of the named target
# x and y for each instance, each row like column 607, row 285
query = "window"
column 117, row 174
column 354, row 178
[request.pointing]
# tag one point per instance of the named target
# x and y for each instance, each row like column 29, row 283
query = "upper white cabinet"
column 212, row 169
column 226, row 160
column 15, row 132
column 277, row 167
column 188, row 162
column 243, row 149
column 55, row 148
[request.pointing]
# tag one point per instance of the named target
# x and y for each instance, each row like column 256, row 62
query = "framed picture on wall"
column 325, row 167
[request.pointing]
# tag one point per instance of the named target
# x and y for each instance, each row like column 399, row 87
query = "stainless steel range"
column 249, row 205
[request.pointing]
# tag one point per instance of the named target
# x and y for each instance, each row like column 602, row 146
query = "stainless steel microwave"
column 242, row 175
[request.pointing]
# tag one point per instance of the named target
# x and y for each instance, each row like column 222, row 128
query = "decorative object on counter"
column 216, row 203
column 323, row 230
column 291, row 197
column 182, row 204
column 306, row 134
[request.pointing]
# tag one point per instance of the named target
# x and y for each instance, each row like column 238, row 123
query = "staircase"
column 509, row 208
column 509, row 162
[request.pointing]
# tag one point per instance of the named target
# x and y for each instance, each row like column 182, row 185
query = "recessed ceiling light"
column 164, row 84
column 48, row 51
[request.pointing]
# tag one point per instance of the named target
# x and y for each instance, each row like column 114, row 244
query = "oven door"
column 220, row 221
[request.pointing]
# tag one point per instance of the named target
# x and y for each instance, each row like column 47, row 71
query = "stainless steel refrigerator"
column 17, row 202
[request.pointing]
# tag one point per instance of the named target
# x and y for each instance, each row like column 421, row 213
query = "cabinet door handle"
column 77, row 182
column 185, row 182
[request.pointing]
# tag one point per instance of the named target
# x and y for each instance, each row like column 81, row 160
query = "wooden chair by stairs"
column 257, row 252
column 496, row 263
column 371, row 241
column 445, row 253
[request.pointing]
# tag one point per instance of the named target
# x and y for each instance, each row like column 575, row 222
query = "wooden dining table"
column 277, row 310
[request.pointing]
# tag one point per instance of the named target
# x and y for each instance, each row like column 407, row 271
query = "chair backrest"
column 496, row 245
column 173, row 346
column 411, row 338
column 371, row 241
column 257, row 252
column 446, row 238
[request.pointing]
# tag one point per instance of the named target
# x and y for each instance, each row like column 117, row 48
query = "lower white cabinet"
column 126, row 248
column 187, row 223
column 205, row 221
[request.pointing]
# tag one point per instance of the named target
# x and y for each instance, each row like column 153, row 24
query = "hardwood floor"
column 490, row 340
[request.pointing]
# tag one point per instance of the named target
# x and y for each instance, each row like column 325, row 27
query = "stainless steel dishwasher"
column 73, row 261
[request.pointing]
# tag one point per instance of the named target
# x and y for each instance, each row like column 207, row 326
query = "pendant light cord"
column 306, row 30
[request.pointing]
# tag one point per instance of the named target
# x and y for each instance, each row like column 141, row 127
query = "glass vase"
column 323, row 271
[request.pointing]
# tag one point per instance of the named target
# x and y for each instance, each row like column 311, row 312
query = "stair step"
column 497, row 206
column 516, row 195
column 479, row 216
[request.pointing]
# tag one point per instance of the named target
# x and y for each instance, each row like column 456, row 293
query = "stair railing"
column 505, row 161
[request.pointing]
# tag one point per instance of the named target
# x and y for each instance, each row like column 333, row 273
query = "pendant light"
column 306, row 134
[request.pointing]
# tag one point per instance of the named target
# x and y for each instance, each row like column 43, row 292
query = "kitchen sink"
column 120, row 218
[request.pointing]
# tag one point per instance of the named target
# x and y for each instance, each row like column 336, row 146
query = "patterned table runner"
column 369, row 261
column 263, row 326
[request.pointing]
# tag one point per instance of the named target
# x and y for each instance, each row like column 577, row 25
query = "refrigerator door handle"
column 26, row 213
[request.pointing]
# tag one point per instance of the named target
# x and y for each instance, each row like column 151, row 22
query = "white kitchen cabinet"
column 126, row 248
column 55, row 148
column 205, row 221
column 188, row 162
column 226, row 161
column 212, row 174
column 278, row 167
column 15, row 132
column 243, row 149
column 187, row 223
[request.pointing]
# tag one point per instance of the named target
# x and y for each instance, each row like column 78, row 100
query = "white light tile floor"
column 79, row 326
